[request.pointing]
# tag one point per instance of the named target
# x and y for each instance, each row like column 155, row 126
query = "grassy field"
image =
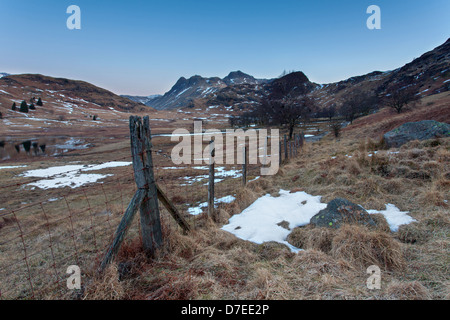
column 210, row 263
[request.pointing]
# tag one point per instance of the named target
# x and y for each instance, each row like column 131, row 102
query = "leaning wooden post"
column 143, row 172
column 244, row 166
column 173, row 210
column 211, row 180
column 122, row 229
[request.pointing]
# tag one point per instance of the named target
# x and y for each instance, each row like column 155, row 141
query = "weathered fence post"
column 211, row 180
column 146, row 198
column 285, row 148
column 141, row 148
column 302, row 139
column 143, row 171
column 280, row 158
column 290, row 149
column 244, row 166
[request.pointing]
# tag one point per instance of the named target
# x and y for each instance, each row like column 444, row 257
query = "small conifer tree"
column 24, row 107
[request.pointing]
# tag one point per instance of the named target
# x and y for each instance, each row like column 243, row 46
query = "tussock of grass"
column 312, row 238
column 106, row 286
column 413, row 290
column 362, row 248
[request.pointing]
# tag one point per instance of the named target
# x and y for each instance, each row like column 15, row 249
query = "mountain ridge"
column 238, row 89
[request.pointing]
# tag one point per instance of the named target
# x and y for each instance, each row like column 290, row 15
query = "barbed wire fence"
column 42, row 237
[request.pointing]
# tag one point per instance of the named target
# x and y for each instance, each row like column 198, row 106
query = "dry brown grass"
column 105, row 286
column 209, row 263
column 362, row 248
column 413, row 290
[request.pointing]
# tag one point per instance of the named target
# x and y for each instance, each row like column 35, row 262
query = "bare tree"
column 286, row 111
column 330, row 111
column 358, row 103
column 400, row 95
column 336, row 127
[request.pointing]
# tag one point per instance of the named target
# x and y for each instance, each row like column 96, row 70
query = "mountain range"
column 185, row 91
column 239, row 90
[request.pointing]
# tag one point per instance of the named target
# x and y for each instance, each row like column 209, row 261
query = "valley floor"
column 211, row 263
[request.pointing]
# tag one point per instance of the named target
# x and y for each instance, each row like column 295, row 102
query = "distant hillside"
column 431, row 73
column 15, row 88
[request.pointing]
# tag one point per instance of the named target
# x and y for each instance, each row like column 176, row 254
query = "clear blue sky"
column 143, row 47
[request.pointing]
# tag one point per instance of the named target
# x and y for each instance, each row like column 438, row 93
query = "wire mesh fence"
column 43, row 230
column 40, row 239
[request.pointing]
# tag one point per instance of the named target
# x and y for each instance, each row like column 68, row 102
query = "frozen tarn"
column 261, row 221
column 394, row 217
column 70, row 175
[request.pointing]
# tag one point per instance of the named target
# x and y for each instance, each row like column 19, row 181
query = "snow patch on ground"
column 11, row 167
column 394, row 217
column 259, row 223
column 199, row 209
column 262, row 221
column 69, row 175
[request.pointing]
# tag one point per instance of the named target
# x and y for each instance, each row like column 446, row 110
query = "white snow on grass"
column 70, row 175
column 199, row 209
column 261, row 222
column 220, row 174
column 394, row 217
column 11, row 167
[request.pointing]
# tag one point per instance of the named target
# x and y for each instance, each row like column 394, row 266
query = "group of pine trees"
column 25, row 108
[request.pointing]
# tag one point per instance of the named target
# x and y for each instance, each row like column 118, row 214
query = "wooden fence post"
column 302, row 139
column 290, row 149
column 146, row 198
column 280, row 158
column 244, row 166
column 211, row 181
column 285, row 148
column 141, row 147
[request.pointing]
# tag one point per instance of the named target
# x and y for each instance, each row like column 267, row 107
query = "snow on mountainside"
column 65, row 104
column 186, row 91
column 431, row 72
column 142, row 99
